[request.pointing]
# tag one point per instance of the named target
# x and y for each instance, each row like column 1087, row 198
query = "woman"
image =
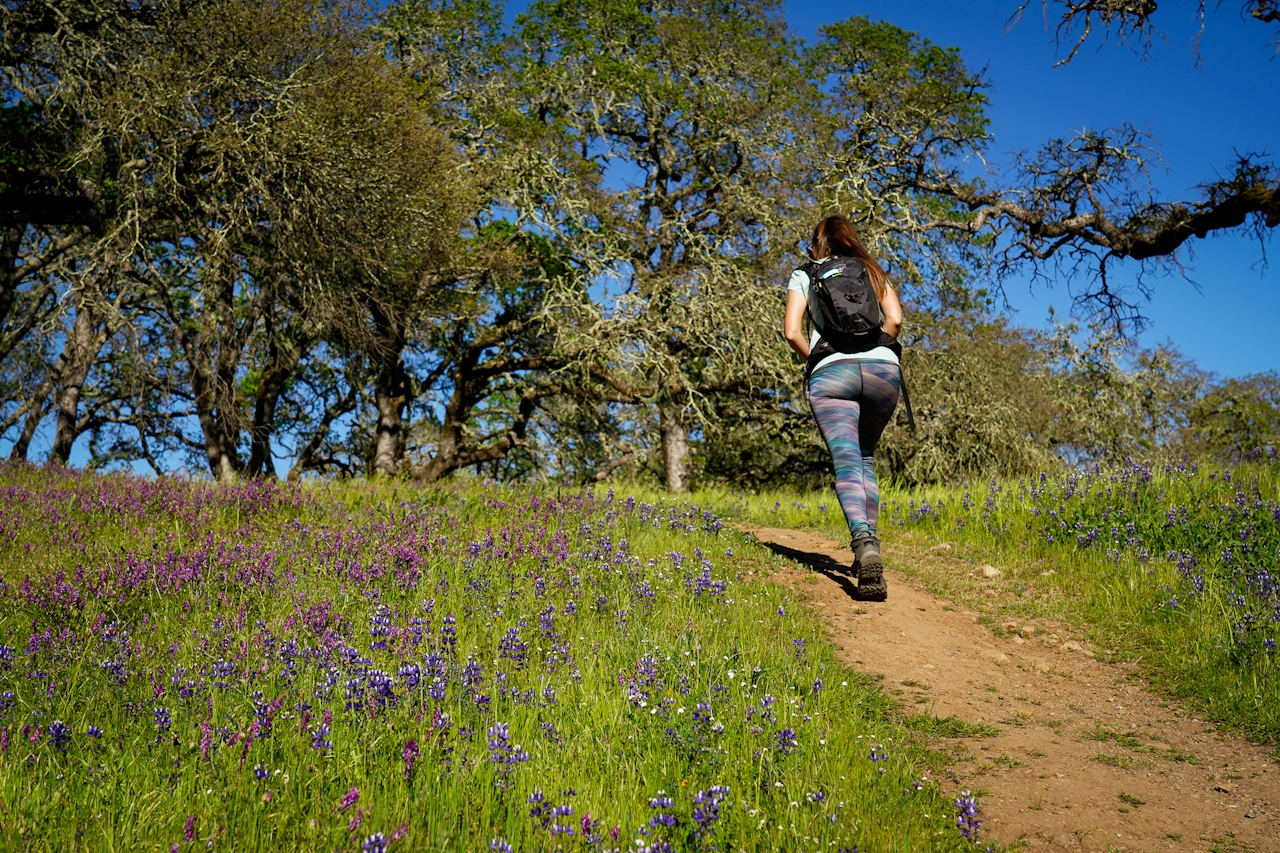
column 852, row 394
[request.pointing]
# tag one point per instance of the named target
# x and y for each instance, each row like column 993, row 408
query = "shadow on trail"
column 824, row 564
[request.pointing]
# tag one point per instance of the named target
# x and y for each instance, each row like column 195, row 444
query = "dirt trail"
column 1053, row 776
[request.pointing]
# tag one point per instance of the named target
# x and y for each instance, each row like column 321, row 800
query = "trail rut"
column 1086, row 756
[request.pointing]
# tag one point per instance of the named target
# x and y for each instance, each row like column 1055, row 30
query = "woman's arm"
column 892, row 310
column 793, row 323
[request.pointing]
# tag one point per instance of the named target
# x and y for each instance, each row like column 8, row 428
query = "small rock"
column 1250, row 813
column 1071, row 646
column 941, row 548
column 996, row 657
column 1019, row 640
column 990, row 571
column 1222, row 789
column 1028, row 630
column 1046, row 574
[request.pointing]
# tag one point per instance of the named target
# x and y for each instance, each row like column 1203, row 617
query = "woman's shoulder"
column 799, row 279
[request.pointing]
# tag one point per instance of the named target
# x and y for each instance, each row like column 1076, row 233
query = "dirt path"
column 1085, row 757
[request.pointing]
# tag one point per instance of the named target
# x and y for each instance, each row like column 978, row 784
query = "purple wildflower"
column 663, row 805
column 59, row 735
column 787, row 742
column 162, row 719
column 349, row 799
column 706, row 809
column 967, row 816
column 501, row 751
column 410, row 754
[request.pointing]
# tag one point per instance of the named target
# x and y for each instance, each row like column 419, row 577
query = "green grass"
column 949, row 726
column 254, row 655
column 1105, row 734
column 1171, row 567
column 1114, row 760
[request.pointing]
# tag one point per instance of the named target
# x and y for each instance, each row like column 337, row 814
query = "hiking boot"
column 866, row 558
column 872, row 591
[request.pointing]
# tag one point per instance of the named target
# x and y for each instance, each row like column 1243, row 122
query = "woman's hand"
column 793, row 323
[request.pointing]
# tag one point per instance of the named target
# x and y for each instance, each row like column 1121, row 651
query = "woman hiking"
column 853, row 374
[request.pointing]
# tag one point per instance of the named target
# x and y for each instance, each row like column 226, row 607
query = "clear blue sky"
column 1199, row 115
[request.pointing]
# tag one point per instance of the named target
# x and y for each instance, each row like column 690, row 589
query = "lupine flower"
column 59, row 735
column 349, row 799
column 410, row 754
column 663, row 805
column 501, row 751
column 162, row 719
column 967, row 816
column 376, row 843
column 786, row 739
column 706, row 809
column 878, row 754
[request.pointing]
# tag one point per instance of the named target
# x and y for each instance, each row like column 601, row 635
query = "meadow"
column 1174, row 566
column 368, row 667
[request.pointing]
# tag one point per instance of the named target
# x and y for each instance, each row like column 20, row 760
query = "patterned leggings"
column 852, row 402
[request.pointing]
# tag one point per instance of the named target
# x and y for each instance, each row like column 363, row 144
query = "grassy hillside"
column 357, row 667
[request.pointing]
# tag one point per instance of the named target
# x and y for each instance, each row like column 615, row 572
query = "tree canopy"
column 250, row 238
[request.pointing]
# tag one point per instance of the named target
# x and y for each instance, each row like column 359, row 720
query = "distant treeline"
column 243, row 236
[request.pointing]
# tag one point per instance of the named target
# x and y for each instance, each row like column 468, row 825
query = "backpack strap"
column 902, row 383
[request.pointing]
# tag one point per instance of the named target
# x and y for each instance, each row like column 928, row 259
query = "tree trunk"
column 83, row 345
column 675, row 447
column 11, row 271
column 270, row 388
column 391, row 396
column 449, row 452
column 34, row 416
column 219, row 447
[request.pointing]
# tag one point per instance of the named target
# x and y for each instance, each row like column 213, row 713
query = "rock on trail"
column 1086, row 757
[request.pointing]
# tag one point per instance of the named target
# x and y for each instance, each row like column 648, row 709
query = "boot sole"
column 873, row 591
column 870, row 571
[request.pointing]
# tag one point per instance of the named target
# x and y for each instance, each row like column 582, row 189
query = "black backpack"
column 851, row 318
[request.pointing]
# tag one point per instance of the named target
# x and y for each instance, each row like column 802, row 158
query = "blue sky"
column 1199, row 115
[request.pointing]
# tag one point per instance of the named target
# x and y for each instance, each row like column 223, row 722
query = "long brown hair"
column 835, row 237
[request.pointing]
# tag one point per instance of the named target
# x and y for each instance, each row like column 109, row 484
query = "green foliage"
column 983, row 403
column 1235, row 418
